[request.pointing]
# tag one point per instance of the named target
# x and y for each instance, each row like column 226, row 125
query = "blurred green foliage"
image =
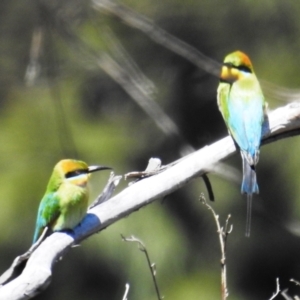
column 75, row 109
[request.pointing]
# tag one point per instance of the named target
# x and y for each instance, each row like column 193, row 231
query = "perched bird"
column 243, row 108
column 66, row 198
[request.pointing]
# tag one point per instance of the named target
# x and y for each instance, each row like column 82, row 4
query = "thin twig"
column 127, row 286
column 277, row 289
column 223, row 234
column 155, row 166
column 151, row 266
column 111, row 185
column 285, row 295
column 295, row 281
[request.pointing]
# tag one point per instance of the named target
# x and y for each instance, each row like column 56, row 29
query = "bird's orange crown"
column 238, row 59
column 71, row 165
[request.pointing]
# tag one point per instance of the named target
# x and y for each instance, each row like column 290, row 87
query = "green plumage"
column 66, row 198
column 242, row 105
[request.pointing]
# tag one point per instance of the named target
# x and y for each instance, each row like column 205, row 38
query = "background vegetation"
column 72, row 108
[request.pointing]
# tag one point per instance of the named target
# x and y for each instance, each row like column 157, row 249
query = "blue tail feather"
column 249, row 187
column 249, row 184
column 249, row 213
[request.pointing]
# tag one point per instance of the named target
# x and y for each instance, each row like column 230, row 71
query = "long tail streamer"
column 249, row 212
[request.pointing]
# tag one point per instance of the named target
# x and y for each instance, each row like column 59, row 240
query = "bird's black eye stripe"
column 76, row 173
column 242, row 68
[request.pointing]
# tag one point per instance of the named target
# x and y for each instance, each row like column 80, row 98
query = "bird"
column 243, row 107
column 65, row 201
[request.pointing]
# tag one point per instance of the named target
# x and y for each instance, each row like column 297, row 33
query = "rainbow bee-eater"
column 243, row 108
column 66, row 198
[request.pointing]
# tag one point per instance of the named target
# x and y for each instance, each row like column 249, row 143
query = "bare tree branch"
column 283, row 122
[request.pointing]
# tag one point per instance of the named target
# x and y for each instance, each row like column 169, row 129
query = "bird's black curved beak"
column 92, row 169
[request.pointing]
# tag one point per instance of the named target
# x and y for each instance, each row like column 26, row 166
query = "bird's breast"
column 73, row 201
column 72, row 193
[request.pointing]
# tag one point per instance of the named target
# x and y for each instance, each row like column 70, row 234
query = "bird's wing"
column 48, row 213
column 222, row 95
